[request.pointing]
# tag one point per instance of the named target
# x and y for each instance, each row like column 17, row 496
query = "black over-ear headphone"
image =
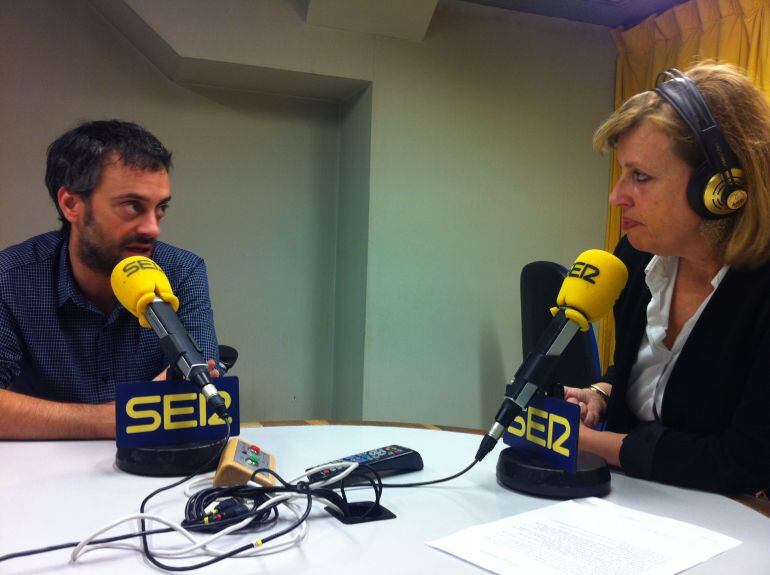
column 716, row 188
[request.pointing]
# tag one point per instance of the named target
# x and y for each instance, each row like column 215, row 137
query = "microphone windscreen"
column 593, row 283
column 136, row 281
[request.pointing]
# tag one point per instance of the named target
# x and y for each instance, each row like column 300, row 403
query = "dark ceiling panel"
column 610, row 13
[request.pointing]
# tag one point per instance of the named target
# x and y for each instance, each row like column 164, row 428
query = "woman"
column 687, row 400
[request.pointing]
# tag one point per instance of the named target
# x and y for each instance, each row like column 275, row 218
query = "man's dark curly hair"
column 76, row 158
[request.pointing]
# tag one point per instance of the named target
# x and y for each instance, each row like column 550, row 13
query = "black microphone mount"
column 534, row 374
column 183, row 352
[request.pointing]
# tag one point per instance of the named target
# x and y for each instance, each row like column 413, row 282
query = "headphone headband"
column 721, row 191
column 685, row 97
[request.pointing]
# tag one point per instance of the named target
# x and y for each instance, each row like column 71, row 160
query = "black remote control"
column 389, row 460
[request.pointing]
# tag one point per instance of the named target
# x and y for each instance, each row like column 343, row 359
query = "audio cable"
column 145, row 544
column 217, row 512
column 143, row 532
column 433, row 481
column 205, row 513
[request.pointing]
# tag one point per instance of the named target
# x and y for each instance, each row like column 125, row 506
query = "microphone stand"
column 524, row 473
column 171, row 460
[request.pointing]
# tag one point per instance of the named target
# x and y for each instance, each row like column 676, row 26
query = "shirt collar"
column 659, row 272
column 662, row 269
column 720, row 276
column 67, row 289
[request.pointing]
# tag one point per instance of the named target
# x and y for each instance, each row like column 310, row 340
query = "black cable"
column 206, row 496
column 144, row 531
column 199, row 501
column 376, row 485
column 195, row 509
column 300, row 487
column 50, row 548
column 145, row 545
column 269, row 472
column 434, row 481
column 195, row 515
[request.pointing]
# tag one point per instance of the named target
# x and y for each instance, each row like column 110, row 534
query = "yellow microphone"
column 592, row 285
column 589, row 291
column 144, row 290
column 136, row 282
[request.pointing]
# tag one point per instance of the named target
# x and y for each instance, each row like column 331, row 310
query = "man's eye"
column 640, row 177
column 131, row 207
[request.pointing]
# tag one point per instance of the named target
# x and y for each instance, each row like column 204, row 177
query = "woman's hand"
column 593, row 406
column 605, row 444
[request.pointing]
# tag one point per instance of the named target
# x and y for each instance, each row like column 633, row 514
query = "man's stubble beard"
column 94, row 250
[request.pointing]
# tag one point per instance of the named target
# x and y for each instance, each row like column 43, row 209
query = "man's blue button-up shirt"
column 55, row 344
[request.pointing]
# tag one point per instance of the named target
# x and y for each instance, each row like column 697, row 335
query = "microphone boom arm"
column 182, row 351
column 533, row 375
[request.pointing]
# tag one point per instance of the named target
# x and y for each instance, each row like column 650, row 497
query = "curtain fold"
column 730, row 31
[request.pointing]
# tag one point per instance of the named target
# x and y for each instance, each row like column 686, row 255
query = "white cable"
column 351, row 467
column 227, row 530
column 204, row 545
column 77, row 550
column 201, row 479
column 267, row 548
column 272, row 502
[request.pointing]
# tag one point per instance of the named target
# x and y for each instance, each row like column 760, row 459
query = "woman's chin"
column 639, row 242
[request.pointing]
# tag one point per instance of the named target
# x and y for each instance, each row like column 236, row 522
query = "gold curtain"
column 730, row 31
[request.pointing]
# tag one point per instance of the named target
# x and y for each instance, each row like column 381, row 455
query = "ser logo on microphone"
column 584, row 271
column 141, row 264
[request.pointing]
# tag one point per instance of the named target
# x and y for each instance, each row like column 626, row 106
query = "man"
column 65, row 341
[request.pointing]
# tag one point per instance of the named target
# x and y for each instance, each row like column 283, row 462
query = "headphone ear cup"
column 711, row 196
column 696, row 187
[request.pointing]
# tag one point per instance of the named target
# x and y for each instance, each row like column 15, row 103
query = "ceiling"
column 395, row 18
column 611, row 13
column 409, row 19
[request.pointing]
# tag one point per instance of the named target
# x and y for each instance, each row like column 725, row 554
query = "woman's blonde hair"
column 743, row 116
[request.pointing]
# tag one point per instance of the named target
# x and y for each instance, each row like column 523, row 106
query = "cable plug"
column 217, row 403
column 228, row 508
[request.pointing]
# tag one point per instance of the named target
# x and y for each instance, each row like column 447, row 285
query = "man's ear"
column 70, row 204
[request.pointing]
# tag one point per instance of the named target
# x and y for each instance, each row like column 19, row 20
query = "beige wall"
column 478, row 148
column 481, row 163
column 352, row 253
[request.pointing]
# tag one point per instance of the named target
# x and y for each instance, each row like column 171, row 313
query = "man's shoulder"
column 174, row 261
column 36, row 252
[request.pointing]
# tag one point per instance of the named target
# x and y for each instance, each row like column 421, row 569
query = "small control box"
column 238, row 462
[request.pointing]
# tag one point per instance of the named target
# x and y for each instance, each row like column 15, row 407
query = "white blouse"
column 654, row 362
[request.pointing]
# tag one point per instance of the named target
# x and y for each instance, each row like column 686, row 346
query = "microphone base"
column 521, row 473
column 169, row 460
